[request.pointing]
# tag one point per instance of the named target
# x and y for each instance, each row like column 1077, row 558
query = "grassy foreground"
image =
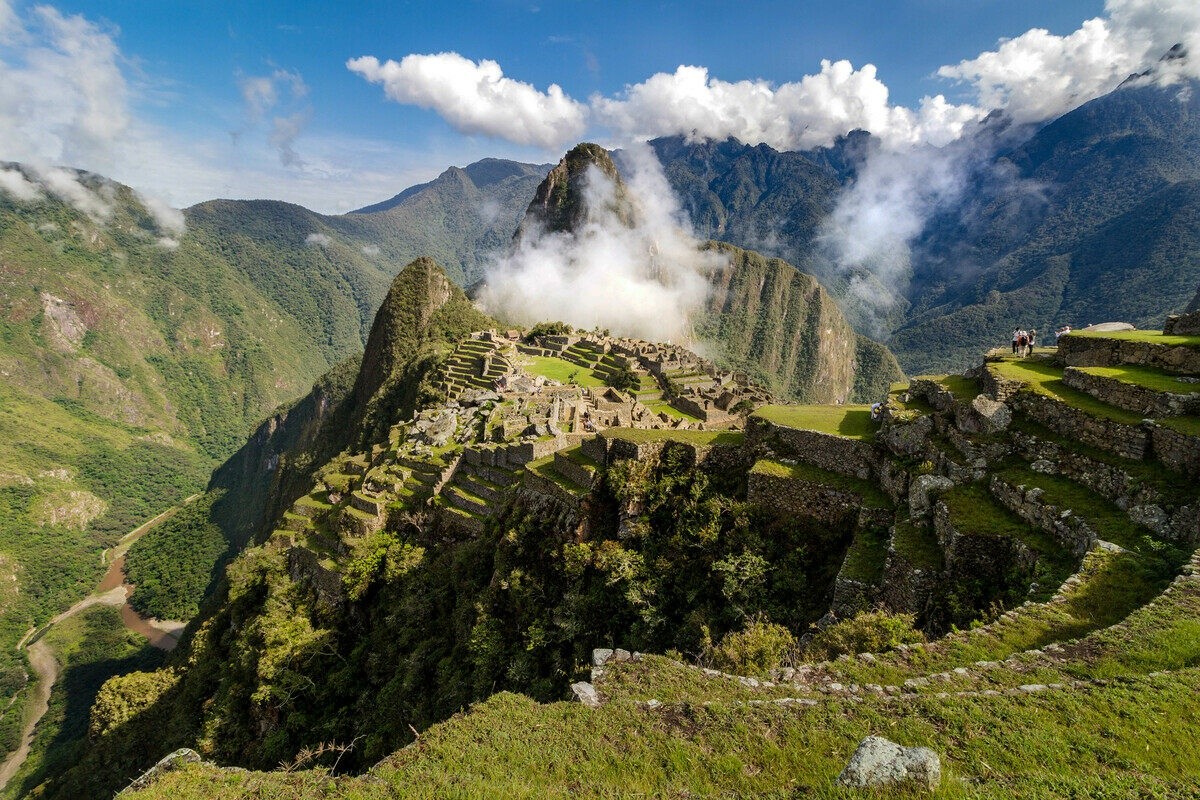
column 1102, row 743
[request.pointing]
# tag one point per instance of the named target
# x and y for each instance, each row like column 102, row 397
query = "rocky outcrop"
column 1184, row 324
column 879, row 762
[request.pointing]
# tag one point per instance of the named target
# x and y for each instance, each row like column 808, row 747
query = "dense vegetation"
column 174, row 564
column 91, row 647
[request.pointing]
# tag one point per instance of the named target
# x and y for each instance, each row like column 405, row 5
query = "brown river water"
column 160, row 638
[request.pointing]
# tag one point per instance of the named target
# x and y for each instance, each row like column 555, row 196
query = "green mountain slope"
column 458, row 219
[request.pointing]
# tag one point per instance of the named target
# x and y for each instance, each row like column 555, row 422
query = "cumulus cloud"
column 317, row 240
column 799, row 115
column 66, row 185
column 370, row 250
column 1039, row 75
column 476, row 97
column 643, row 278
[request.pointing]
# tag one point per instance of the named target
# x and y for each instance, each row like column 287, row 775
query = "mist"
column 869, row 237
column 644, row 276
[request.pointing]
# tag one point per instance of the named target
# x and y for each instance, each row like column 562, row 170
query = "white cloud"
column 65, row 184
column 15, row 185
column 264, row 94
column 1039, row 75
column 317, row 240
column 642, row 278
column 169, row 220
column 477, row 98
column 807, row 113
column 370, row 250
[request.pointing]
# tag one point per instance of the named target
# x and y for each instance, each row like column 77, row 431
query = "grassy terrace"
column 1153, row 337
column 560, row 370
column 1046, row 379
column 544, row 468
column 871, row 495
column 851, row 421
column 973, row 511
column 1146, row 377
column 662, row 406
column 1050, row 745
column 639, row 436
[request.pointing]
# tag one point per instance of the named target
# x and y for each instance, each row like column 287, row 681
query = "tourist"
column 1016, row 335
column 876, row 411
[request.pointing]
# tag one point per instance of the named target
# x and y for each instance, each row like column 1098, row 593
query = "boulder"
column 880, row 762
column 907, row 438
column 586, row 694
column 921, row 491
column 984, row 415
column 1183, row 324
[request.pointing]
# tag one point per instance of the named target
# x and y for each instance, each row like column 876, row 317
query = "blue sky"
column 315, row 132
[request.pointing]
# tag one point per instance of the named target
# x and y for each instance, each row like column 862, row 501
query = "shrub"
column 549, row 329
column 623, row 379
column 869, row 632
column 756, row 650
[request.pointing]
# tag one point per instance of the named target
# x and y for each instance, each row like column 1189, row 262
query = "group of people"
column 1023, row 341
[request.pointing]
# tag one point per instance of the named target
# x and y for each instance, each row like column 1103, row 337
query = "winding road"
column 111, row 591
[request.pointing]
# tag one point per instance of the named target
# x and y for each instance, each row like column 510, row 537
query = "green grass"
column 865, row 557
column 1146, row 377
column 544, row 468
column 961, row 387
column 642, row 436
column 561, row 370
column 1046, row 379
column 918, row 545
column 851, row 421
column 1095, row 743
column 871, row 495
column 1153, row 337
column 662, row 406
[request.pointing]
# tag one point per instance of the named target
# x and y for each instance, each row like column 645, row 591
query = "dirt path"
column 111, row 591
column 42, row 660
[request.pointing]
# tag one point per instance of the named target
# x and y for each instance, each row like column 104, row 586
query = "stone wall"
column 851, row 457
column 973, row 557
column 1138, row 399
column 1069, row 530
column 1104, row 479
column 802, row 498
column 1093, row 351
column 1127, row 441
column 998, row 387
column 304, row 568
column 572, row 471
column 1176, row 450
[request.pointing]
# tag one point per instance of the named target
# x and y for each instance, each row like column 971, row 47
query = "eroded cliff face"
column 769, row 318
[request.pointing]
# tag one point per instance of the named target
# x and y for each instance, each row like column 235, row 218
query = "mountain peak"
column 422, row 305
column 561, row 202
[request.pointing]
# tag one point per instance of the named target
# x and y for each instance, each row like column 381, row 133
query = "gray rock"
column 880, row 762
column 600, row 656
column 1044, row 466
column 169, row 763
column 994, row 416
column 586, row 694
column 1153, row 517
column 921, row 491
